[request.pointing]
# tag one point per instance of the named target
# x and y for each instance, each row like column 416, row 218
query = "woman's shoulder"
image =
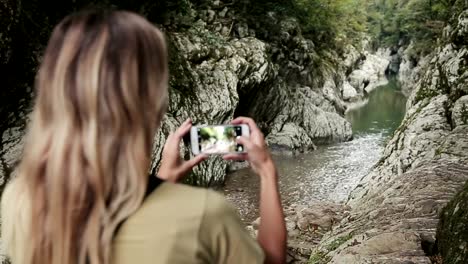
column 188, row 200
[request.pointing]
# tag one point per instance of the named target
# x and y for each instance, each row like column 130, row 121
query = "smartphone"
column 219, row 139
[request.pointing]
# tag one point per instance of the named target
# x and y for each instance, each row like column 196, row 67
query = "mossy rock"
column 452, row 232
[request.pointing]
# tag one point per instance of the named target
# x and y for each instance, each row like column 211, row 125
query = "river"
column 331, row 172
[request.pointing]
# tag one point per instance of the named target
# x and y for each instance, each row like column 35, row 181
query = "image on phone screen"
column 219, row 139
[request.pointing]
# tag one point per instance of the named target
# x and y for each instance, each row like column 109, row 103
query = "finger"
column 168, row 139
column 245, row 142
column 246, row 120
column 235, row 156
column 189, row 164
column 183, row 129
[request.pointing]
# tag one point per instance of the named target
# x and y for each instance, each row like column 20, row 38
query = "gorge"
column 366, row 176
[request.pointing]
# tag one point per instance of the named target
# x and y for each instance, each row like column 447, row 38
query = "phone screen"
column 219, row 139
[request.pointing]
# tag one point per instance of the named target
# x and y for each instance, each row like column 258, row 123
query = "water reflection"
column 331, row 172
column 382, row 114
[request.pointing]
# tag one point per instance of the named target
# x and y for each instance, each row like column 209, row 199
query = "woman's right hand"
column 272, row 230
column 257, row 153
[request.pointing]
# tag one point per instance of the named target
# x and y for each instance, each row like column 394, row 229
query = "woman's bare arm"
column 272, row 232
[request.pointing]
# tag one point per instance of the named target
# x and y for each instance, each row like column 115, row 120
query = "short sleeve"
column 223, row 236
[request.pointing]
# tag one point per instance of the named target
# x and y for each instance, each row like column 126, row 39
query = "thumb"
column 245, row 141
column 189, row 164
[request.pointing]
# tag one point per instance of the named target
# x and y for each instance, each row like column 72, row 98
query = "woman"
column 81, row 195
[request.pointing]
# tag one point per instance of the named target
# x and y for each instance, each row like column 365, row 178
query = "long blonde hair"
column 101, row 93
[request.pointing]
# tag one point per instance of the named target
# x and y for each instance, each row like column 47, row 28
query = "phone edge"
column 194, row 140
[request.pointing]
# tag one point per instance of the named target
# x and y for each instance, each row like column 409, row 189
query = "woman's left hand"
column 173, row 167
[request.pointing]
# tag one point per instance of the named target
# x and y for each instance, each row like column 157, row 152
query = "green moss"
column 338, row 242
column 424, row 93
column 319, row 257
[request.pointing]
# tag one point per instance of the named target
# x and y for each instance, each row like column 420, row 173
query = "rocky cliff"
column 222, row 65
column 395, row 209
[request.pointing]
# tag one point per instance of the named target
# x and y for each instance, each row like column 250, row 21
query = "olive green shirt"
column 181, row 224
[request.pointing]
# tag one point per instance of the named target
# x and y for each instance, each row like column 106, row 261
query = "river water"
column 331, row 172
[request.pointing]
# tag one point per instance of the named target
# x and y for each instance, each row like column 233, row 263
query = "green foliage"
column 419, row 20
column 330, row 24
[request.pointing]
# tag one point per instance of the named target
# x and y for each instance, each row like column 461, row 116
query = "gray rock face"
column 460, row 112
column 391, row 225
column 367, row 73
column 410, row 68
column 395, row 208
column 371, row 73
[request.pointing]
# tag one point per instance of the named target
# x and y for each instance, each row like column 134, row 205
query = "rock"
column 242, row 30
column 371, row 72
column 303, row 224
column 223, row 12
column 460, row 112
column 291, row 226
column 396, row 247
column 349, row 93
column 210, row 16
column 411, row 68
column 225, row 31
column 391, row 223
column 394, row 66
column 452, row 232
